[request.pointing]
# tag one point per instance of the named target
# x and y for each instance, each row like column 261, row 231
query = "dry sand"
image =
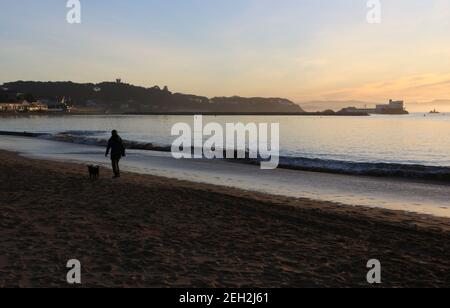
column 145, row 231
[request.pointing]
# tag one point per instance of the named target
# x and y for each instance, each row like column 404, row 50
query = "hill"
column 118, row 96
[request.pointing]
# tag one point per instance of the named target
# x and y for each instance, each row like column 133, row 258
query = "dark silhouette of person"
column 115, row 144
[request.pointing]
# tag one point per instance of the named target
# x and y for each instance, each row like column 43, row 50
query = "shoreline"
column 438, row 175
column 188, row 113
column 148, row 231
column 373, row 192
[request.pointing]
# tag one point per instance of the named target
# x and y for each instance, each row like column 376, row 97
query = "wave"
column 22, row 134
column 434, row 173
column 86, row 138
column 431, row 173
column 84, row 133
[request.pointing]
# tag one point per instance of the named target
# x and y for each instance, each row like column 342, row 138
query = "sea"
column 416, row 145
column 388, row 161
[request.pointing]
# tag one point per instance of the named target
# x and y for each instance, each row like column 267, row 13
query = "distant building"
column 393, row 107
column 8, row 107
column 23, row 106
column 53, row 105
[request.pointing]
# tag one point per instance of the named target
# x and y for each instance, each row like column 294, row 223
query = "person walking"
column 117, row 148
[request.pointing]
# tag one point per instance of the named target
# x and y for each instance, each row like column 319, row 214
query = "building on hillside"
column 55, row 106
column 36, row 107
column 15, row 107
column 8, row 107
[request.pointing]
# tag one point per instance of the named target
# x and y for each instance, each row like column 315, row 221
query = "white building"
column 14, row 107
column 37, row 106
column 392, row 106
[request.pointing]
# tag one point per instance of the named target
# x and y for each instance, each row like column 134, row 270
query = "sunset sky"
column 298, row 49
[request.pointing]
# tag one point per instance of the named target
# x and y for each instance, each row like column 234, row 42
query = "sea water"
column 416, row 145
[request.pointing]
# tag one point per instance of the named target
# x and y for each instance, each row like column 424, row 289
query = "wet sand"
column 147, row 231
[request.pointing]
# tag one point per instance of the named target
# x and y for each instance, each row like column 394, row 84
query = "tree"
column 28, row 97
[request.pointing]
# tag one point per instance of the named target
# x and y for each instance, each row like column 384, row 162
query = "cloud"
column 410, row 88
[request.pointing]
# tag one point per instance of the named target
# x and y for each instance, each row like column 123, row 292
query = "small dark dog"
column 94, row 172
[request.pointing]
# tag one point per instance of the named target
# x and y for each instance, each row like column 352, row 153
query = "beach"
column 149, row 231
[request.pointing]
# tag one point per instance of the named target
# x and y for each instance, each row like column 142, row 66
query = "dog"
column 94, row 172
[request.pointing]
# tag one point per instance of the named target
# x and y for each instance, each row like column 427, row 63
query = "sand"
column 146, row 231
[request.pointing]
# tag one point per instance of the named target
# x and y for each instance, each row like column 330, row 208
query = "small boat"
column 434, row 111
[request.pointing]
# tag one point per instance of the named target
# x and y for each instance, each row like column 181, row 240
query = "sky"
column 298, row 49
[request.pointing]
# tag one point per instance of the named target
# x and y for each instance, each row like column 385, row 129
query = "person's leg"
column 117, row 167
column 114, row 166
